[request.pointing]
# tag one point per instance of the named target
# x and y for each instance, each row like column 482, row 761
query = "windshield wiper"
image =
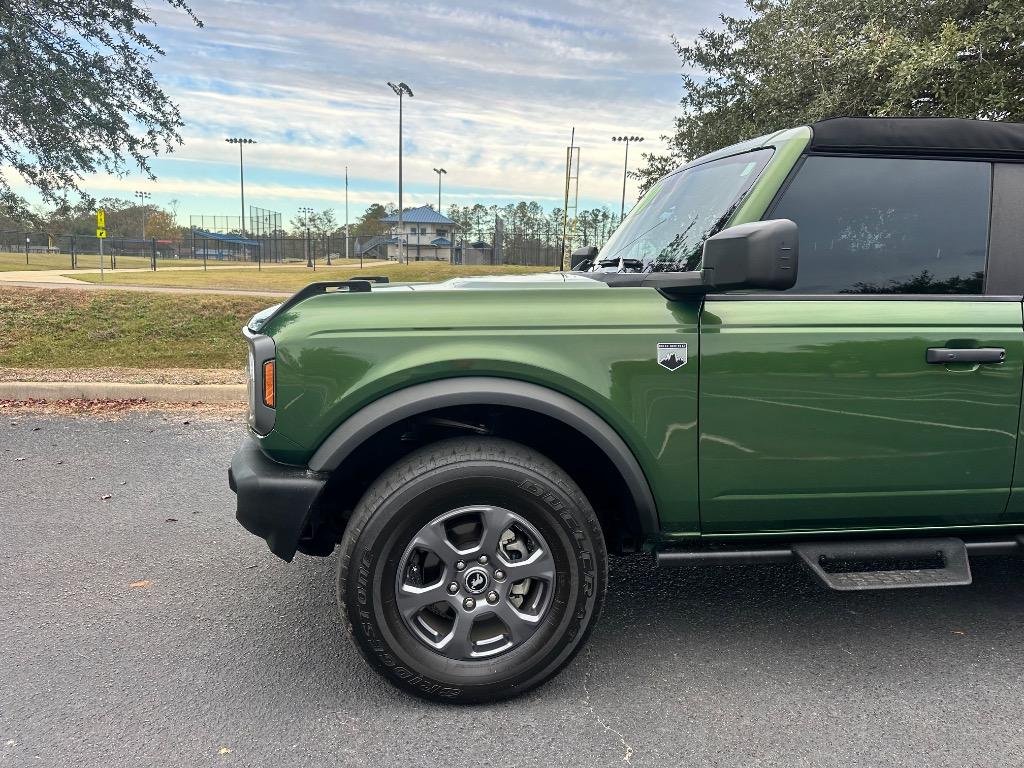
column 622, row 248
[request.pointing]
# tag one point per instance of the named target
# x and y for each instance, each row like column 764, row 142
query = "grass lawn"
column 15, row 262
column 44, row 328
column 292, row 278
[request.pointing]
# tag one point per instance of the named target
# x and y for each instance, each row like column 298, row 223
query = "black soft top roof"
column 946, row 136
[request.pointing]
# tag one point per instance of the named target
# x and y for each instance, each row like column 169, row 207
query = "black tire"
column 401, row 504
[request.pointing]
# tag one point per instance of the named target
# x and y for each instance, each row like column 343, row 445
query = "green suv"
column 804, row 348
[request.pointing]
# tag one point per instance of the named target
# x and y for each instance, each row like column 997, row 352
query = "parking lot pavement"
column 149, row 629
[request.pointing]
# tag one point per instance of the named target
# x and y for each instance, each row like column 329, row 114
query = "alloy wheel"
column 475, row 582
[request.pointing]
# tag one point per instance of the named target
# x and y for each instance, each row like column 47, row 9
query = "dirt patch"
column 127, row 375
column 115, row 408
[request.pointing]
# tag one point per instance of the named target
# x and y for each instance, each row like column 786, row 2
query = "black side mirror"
column 762, row 254
column 580, row 255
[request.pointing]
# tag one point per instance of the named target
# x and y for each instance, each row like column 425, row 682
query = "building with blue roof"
column 428, row 234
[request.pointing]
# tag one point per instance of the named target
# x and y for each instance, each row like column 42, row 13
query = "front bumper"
column 275, row 501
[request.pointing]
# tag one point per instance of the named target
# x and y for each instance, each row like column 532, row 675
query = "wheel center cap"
column 476, row 580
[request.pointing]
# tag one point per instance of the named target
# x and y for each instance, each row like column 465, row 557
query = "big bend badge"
column 672, row 356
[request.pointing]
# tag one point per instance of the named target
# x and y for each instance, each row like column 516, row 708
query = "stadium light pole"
column 143, row 197
column 439, row 171
column 241, row 175
column 305, row 218
column 625, row 170
column 401, row 89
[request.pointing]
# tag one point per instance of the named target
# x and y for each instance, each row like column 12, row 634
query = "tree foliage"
column 317, row 223
column 529, row 219
column 77, row 97
column 124, row 219
column 792, row 62
column 368, row 223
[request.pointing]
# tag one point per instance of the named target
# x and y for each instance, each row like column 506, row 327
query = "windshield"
column 666, row 230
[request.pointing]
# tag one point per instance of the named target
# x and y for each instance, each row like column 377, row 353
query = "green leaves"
column 798, row 61
column 77, row 97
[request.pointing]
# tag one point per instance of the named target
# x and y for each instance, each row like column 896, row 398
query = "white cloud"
column 498, row 88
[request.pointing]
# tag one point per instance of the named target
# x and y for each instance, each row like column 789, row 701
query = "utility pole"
column 572, row 192
column 143, row 197
column 401, row 90
column 346, row 212
column 439, row 171
column 241, row 177
column 625, row 169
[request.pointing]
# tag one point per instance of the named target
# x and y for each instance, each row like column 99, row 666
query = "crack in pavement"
column 628, row 752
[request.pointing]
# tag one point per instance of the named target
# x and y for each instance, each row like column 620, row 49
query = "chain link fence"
column 198, row 247
column 34, row 250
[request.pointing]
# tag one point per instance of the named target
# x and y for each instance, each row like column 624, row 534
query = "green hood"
column 540, row 280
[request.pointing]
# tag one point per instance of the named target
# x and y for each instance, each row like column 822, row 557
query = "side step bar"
column 835, row 563
column 947, row 556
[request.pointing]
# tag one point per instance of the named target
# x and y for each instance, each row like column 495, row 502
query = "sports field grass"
column 292, row 278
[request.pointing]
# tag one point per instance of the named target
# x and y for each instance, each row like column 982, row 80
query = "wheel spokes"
column 434, row 538
column 411, row 600
column 491, row 577
column 458, row 642
column 520, row 626
column 494, row 521
column 539, row 565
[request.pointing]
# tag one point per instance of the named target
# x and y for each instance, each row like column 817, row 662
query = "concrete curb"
column 98, row 390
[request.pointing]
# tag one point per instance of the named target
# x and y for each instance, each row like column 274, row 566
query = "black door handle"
column 980, row 355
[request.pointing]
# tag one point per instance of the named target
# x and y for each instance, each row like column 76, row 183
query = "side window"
column 881, row 225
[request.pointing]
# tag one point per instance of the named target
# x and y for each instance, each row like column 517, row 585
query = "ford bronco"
column 803, row 348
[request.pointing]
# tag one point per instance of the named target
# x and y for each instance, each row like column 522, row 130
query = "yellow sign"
column 101, row 232
column 101, row 221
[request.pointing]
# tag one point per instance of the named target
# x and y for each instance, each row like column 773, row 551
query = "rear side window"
column 886, row 225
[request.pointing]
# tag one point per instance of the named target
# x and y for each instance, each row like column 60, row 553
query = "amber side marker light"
column 268, row 384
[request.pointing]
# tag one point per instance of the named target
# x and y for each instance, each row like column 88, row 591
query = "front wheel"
column 473, row 569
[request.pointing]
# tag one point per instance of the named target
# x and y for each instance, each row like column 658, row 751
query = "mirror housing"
column 759, row 255
column 762, row 254
column 580, row 255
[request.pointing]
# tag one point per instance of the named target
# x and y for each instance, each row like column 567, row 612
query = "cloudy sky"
column 498, row 87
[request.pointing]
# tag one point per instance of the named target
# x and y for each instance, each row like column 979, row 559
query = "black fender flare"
column 485, row 390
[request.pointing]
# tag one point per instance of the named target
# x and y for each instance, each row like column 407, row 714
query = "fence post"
column 153, row 252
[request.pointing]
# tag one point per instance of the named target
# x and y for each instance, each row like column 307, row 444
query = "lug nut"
column 483, row 559
column 499, row 575
column 469, row 603
column 492, row 597
column 460, row 566
column 453, row 588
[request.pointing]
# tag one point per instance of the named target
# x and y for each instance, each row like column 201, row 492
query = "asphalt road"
column 223, row 647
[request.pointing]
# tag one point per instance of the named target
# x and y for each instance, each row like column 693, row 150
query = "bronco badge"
column 672, row 356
